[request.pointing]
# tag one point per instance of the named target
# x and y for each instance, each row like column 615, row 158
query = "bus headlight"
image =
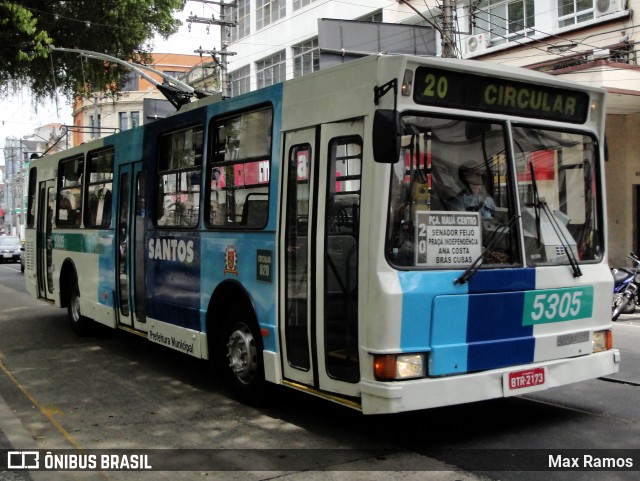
column 393, row 367
column 602, row 340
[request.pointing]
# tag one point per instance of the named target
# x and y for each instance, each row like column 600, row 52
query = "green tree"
column 120, row 28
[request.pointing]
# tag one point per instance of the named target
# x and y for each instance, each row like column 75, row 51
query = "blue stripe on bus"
column 470, row 327
column 263, row 294
column 247, row 244
column 496, row 334
column 106, row 269
column 418, row 288
column 449, row 349
column 172, row 273
column 179, row 294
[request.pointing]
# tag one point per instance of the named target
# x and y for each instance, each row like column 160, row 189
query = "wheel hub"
column 241, row 352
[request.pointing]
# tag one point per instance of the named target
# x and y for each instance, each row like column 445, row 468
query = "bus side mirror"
column 386, row 136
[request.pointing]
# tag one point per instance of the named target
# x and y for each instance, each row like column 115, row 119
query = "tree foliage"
column 120, row 28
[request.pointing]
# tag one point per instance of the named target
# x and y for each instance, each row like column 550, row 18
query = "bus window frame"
column 511, row 204
column 88, row 184
column 159, row 210
column 32, row 191
column 212, row 163
column 597, row 170
column 60, row 190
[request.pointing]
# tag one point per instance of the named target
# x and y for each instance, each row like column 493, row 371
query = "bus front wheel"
column 242, row 359
column 79, row 323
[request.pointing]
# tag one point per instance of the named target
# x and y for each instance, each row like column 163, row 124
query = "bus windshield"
column 453, row 195
column 558, row 190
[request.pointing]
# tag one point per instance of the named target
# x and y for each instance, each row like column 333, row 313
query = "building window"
column 271, row 70
column 95, row 126
column 268, row 11
column 298, row 4
column 372, row 17
column 172, row 73
column 243, row 21
column 571, row 12
column 129, row 82
column 505, row 20
column 135, row 119
column 306, row 58
column 123, row 123
column 240, row 81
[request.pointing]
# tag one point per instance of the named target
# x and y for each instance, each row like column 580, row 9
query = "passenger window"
column 179, row 175
column 31, row 206
column 99, row 188
column 238, row 179
column 69, row 205
column 341, row 258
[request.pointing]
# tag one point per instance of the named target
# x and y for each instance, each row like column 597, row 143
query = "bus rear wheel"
column 242, row 357
column 79, row 323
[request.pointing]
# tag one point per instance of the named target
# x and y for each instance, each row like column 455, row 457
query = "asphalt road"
column 112, row 390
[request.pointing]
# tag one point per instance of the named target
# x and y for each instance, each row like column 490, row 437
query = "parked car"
column 10, row 248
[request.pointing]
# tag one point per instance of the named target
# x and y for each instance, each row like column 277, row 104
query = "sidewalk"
column 14, row 436
column 9, row 422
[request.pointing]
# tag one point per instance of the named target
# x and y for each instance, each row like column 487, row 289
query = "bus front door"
column 129, row 263
column 44, row 241
column 320, row 233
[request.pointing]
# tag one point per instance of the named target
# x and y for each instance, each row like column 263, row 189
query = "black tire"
column 79, row 324
column 630, row 308
column 242, row 360
column 620, row 302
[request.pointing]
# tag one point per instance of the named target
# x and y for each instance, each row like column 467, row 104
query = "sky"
column 19, row 116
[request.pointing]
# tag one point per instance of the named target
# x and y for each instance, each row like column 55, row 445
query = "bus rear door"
column 129, row 263
column 320, row 234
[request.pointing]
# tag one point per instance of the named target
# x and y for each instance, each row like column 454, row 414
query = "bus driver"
column 475, row 196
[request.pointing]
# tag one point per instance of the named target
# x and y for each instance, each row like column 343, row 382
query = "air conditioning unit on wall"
column 607, row 7
column 476, row 43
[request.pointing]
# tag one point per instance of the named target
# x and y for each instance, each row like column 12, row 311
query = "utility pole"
column 447, row 30
column 448, row 38
column 224, row 43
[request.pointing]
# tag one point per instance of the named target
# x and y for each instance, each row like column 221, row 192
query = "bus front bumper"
column 392, row 397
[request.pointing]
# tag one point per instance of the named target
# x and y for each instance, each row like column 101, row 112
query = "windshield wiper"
column 575, row 267
column 494, row 238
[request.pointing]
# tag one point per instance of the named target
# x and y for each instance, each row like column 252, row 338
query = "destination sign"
column 447, row 239
column 444, row 88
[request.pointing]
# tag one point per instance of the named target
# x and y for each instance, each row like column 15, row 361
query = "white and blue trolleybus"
column 395, row 233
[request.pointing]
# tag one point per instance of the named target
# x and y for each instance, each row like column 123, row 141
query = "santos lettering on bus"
column 170, row 249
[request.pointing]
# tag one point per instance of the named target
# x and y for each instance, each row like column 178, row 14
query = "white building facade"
column 276, row 40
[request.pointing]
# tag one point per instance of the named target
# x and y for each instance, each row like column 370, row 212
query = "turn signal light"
column 602, row 340
column 407, row 83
